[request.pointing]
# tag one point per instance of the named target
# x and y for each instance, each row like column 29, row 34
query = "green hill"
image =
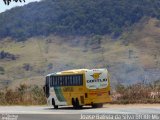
column 80, row 17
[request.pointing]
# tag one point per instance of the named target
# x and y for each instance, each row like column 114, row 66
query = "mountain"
column 132, row 58
column 70, row 17
column 52, row 35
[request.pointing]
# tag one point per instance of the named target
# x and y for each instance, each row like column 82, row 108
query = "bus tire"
column 99, row 105
column 54, row 105
column 77, row 104
column 73, row 103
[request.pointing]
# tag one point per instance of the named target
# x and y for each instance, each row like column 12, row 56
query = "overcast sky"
column 4, row 7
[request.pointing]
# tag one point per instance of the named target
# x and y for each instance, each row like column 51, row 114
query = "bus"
column 78, row 87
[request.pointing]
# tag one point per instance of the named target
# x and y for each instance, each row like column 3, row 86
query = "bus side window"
column 53, row 82
column 70, row 79
column 47, row 81
column 50, row 81
column 66, row 83
column 61, row 81
column 69, row 82
column 81, row 81
column 73, row 79
column 47, row 87
column 78, row 80
column 58, row 82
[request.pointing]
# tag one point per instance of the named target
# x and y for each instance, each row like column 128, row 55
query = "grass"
column 23, row 95
column 138, row 93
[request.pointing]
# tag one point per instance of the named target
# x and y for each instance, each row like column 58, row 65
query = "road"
column 68, row 113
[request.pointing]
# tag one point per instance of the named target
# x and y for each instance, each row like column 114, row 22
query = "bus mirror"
column 44, row 89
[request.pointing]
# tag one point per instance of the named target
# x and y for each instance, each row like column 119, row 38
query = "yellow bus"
column 78, row 88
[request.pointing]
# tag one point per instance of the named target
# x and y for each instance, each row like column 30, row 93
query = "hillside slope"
column 135, row 57
column 55, row 35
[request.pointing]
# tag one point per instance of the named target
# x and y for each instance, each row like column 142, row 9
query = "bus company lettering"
column 97, row 80
column 68, row 89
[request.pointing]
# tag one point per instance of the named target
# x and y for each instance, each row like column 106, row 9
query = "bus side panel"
column 57, row 95
column 74, row 92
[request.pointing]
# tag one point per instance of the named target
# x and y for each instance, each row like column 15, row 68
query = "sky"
column 12, row 4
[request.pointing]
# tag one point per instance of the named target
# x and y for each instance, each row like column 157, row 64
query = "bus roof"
column 74, row 71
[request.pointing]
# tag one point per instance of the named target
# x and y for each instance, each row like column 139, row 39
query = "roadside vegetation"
column 23, row 95
column 132, row 94
column 137, row 93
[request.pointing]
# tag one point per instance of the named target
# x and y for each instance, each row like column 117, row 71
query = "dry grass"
column 138, row 93
column 22, row 95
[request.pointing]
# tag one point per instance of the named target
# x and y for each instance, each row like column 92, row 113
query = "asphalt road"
column 68, row 113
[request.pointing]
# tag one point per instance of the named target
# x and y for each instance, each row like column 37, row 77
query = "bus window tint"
column 56, row 82
column 61, row 81
column 47, row 80
column 77, row 80
column 81, row 81
column 51, row 81
column 66, row 80
column 72, row 80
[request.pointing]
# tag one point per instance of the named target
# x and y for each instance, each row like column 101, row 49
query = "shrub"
column 138, row 93
column 23, row 95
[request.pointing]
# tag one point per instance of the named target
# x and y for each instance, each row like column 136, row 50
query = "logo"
column 96, row 78
column 7, row 2
column 96, row 75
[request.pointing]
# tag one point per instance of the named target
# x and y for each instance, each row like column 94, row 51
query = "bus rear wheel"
column 99, row 105
column 75, row 103
column 54, row 105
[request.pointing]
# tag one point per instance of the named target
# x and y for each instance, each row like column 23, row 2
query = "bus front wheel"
column 54, row 105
